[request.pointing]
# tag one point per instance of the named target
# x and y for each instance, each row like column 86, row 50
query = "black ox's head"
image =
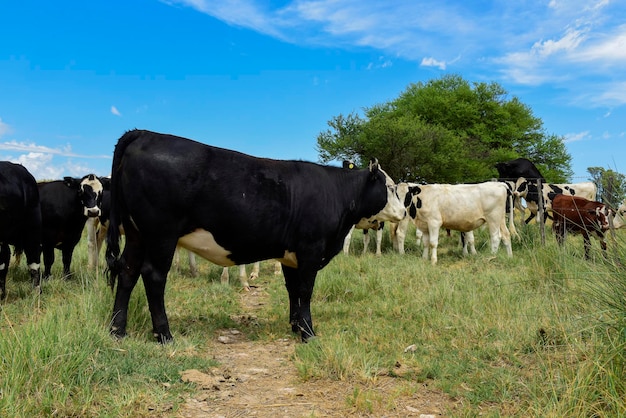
column 89, row 189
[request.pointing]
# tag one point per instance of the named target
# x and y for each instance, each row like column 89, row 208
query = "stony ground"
column 259, row 379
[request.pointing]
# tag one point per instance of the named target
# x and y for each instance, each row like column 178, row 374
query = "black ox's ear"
column 349, row 165
column 71, row 182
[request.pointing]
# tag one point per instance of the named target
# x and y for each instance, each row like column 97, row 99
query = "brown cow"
column 578, row 215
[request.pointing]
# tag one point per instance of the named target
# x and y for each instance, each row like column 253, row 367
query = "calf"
column 65, row 206
column 461, row 207
column 578, row 215
column 20, row 220
column 231, row 209
column 529, row 190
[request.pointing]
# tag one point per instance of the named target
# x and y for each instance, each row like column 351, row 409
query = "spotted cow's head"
column 603, row 213
column 89, row 190
column 394, row 210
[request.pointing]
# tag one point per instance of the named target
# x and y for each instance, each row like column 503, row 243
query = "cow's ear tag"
column 351, row 166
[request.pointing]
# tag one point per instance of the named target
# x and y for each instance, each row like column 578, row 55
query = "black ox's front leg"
column 299, row 283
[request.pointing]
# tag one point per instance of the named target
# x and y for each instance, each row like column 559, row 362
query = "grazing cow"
column 231, row 209
column 619, row 220
column 578, row 215
column 20, row 220
column 65, row 206
column 461, row 207
column 375, row 226
column 530, row 192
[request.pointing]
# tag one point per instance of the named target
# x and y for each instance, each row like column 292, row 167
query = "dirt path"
column 259, row 379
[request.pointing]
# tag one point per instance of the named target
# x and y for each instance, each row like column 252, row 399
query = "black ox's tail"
column 118, row 208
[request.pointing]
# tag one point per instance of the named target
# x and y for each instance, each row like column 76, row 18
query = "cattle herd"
column 167, row 192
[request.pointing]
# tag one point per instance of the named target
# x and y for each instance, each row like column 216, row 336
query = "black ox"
column 230, row 208
column 510, row 171
column 20, row 220
column 520, row 167
column 65, row 206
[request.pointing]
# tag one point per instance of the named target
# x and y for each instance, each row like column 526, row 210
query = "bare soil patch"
column 260, row 379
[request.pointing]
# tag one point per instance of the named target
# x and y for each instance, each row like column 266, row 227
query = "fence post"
column 540, row 214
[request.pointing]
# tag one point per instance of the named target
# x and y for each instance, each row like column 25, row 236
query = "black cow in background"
column 510, row 171
column 520, row 167
column 65, row 206
column 20, row 220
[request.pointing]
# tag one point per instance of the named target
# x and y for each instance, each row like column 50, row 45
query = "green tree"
column 611, row 185
column 446, row 130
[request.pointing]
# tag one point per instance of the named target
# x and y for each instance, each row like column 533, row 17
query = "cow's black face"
column 90, row 193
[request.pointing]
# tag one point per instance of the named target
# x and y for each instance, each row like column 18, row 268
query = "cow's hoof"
column 116, row 333
column 163, row 338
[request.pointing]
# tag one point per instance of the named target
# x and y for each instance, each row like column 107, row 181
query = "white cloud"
column 580, row 136
column 115, row 111
column 431, row 62
column 65, row 151
column 46, row 166
column 4, row 128
column 605, row 49
column 39, row 165
column 567, row 43
column 561, row 43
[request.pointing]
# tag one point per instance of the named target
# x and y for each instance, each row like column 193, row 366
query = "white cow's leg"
column 379, row 241
column 506, row 239
column 224, row 276
column 346, row 242
column 193, row 266
column 254, row 274
column 243, row 277
column 92, row 256
column 469, row 243
column 419, row 237
column 366, row 240
column 494, row 237
column 398, row 234
column 433, row 241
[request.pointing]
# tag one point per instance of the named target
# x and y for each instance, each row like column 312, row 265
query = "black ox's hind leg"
column 154, row 272
column 299, row 283
column 131, row 261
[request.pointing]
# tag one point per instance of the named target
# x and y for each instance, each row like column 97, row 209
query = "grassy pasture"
column 541, row 334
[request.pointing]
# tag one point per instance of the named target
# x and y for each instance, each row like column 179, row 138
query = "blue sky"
column 265, row 77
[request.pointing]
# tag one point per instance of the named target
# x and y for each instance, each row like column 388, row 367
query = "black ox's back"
column 230, row 208
column 520, row 167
